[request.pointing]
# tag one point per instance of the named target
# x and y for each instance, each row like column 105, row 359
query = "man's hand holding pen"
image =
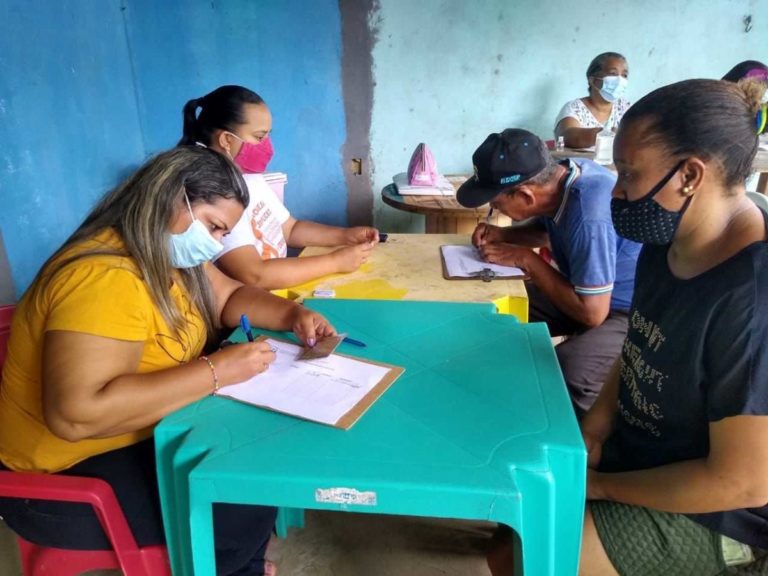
column 507, row 254
column 485, row 233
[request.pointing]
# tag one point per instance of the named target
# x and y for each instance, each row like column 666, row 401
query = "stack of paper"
column 442, row 188
column 276, row 181
column 276, row 177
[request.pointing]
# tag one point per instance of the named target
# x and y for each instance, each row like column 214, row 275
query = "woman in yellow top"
column 107, row 341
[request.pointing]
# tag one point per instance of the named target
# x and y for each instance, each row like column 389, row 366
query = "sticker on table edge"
column 323, row 293
column 345, row 496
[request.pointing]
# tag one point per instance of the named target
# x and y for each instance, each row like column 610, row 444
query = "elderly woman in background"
column 580, row 120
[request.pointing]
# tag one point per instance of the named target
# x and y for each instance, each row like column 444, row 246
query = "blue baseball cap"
column 505, row 159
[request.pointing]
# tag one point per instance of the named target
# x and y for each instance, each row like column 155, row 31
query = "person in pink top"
column 236, row 121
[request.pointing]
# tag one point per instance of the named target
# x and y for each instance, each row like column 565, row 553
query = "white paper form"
column 321, row 390
column 465, row 262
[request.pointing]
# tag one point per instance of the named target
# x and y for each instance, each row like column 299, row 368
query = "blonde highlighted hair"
column 141, row 209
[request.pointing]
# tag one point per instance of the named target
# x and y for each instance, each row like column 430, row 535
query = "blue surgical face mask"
column 613, row 88
column 195, row 245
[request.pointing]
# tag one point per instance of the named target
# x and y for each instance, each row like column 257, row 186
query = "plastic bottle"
column 604, row 145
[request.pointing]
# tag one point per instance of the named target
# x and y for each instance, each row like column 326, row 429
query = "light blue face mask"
column 193, row 246
column 613, row 88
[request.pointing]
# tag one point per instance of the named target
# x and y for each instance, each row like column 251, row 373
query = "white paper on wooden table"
column 465, row 262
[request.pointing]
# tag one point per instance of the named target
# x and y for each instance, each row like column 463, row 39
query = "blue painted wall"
column 68, row 121
column 449, row 72
column 289, row 51
column 90, row 89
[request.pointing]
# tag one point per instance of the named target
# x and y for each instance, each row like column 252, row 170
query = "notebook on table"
column 465, row 263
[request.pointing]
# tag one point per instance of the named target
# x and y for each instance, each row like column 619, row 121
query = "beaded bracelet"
column 213, row 371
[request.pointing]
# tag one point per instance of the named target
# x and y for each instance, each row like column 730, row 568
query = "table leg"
column 450, row 224
column 288, row 518
column 513, row 305
column 175, row 461
column 201, row 530
column 549, row 520
column 439, row 224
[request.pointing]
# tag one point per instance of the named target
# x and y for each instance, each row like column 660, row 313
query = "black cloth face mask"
column 645, row 220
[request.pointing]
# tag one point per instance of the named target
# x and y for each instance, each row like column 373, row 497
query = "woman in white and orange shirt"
column 236, row 121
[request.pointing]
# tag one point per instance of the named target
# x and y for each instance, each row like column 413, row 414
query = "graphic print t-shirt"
column 261, row 225
column 696, row 352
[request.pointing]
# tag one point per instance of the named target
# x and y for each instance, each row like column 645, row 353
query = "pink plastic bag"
column 422, row 169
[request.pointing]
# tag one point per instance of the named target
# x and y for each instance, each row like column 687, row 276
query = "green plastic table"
column 478, row 427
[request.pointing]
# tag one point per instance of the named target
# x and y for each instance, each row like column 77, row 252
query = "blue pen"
column 246, row 326
column 354, row 342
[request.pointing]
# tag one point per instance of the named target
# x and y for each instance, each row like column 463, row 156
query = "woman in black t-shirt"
column 678, row 438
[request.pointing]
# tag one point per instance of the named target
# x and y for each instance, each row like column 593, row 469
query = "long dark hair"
column 140, row 210
column 222, row 109
column 710, row 119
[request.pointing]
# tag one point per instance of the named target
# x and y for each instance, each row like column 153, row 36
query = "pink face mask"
column 253, row 158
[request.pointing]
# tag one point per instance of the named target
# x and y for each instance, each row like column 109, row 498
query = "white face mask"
column 195, row 245
column 613, row 87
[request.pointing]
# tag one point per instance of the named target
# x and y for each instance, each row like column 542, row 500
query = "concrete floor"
column 336, row 544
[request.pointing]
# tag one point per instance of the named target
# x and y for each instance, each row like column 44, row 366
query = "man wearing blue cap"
column 569, row 206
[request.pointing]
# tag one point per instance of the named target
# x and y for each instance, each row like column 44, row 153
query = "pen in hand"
column 246, row 326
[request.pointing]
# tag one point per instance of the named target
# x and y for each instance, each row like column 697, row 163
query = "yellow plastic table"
column 479, row 427
column 408, row 267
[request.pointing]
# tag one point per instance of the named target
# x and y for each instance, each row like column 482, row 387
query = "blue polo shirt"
column 586, row 248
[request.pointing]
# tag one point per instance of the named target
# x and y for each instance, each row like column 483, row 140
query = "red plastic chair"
column 41, row 560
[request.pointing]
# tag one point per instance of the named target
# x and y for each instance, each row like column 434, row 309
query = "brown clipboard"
column 479, row 276
column 346, row 421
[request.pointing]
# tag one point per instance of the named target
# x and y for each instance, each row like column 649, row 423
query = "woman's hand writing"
column 240, row 362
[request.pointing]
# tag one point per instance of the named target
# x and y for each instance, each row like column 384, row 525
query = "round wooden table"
column 443, row 214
